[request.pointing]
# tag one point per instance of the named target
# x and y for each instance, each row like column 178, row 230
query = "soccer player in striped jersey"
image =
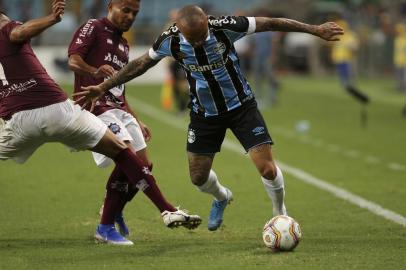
column 221, row 97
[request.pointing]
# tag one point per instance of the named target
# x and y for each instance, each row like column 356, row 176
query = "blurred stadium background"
column 345, row 182
column 374, row 22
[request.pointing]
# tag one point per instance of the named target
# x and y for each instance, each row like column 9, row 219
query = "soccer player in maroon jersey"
column 34, row 110
column 97, row 50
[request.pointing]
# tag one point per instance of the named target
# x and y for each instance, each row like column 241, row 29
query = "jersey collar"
column 111, row 26
column 183, row 39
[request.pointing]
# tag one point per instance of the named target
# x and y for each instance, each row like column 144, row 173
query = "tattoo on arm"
column 132, row 70
column 284, row 25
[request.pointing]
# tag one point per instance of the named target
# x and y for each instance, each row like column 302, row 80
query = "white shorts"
column 125, row 127
column 62, row 122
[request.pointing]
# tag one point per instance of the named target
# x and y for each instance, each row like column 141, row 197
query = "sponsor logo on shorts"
column 146, row 170
column 142, row 185
column 115, row 128
column 191, row 136
column 258, row 131
column 119, row 186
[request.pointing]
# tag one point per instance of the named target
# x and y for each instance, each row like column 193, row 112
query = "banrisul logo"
column 258, row 131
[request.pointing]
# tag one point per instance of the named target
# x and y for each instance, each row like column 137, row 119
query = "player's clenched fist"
column 330, row 31
column 58, row 9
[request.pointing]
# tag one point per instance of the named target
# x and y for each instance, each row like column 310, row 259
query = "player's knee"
column 199, row 178
column 268, row 171
column 116, row 148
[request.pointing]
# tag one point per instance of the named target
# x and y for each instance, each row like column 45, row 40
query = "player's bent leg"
column 131, row 192
column 271, row 176
column 261, row 155
column 126, row 129
column 117, row 190
column 118, row 176
column 109, row 145
column 140, row 176
column 143, row 155
column 199, row 167
column 206, row 181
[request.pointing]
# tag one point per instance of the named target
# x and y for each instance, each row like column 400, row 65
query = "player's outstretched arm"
column 329, row 31
column 133, row 69
column 35, row 27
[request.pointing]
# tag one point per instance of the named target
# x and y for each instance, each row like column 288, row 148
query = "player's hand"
column 146, row 132
column 329, row 31
column 89, row 95
column 104, row 71
column 58, row 9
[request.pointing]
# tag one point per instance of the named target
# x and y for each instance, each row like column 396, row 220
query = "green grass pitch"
column 48, row 206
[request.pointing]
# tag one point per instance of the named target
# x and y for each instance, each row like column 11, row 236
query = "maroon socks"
column 139, row 175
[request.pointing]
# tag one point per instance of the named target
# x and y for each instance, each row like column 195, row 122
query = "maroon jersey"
column 24, row 82
column 99, row 43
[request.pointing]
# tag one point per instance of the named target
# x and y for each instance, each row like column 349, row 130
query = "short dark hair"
column 119, row 1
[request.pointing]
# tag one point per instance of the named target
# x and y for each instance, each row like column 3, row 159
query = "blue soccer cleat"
column 109, row 235
column 217, row 211
column 122, row 227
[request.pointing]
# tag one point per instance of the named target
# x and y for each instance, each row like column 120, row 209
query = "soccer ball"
column 281, row 233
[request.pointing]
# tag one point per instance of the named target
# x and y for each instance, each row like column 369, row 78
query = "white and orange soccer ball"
column 281, row 233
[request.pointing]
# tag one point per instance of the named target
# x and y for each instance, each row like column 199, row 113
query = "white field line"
column 296, row 172
column 334, row 148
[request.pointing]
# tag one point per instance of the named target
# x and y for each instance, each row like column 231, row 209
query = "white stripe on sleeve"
column 252, row 26
column 154, row 55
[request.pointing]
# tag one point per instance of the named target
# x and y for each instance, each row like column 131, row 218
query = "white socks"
column 276, row 191
column 213, row 187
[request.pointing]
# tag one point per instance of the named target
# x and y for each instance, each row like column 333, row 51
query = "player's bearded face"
column 124, row 14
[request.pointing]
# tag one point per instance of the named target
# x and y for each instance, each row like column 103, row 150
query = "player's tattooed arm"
column 132, row 70
column 329, row 31
column 135, row 68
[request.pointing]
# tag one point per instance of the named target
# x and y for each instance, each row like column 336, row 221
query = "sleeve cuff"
column 252, row 25
column 154, row 55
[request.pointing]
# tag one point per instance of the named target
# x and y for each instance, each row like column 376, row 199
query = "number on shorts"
column 3, row 76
